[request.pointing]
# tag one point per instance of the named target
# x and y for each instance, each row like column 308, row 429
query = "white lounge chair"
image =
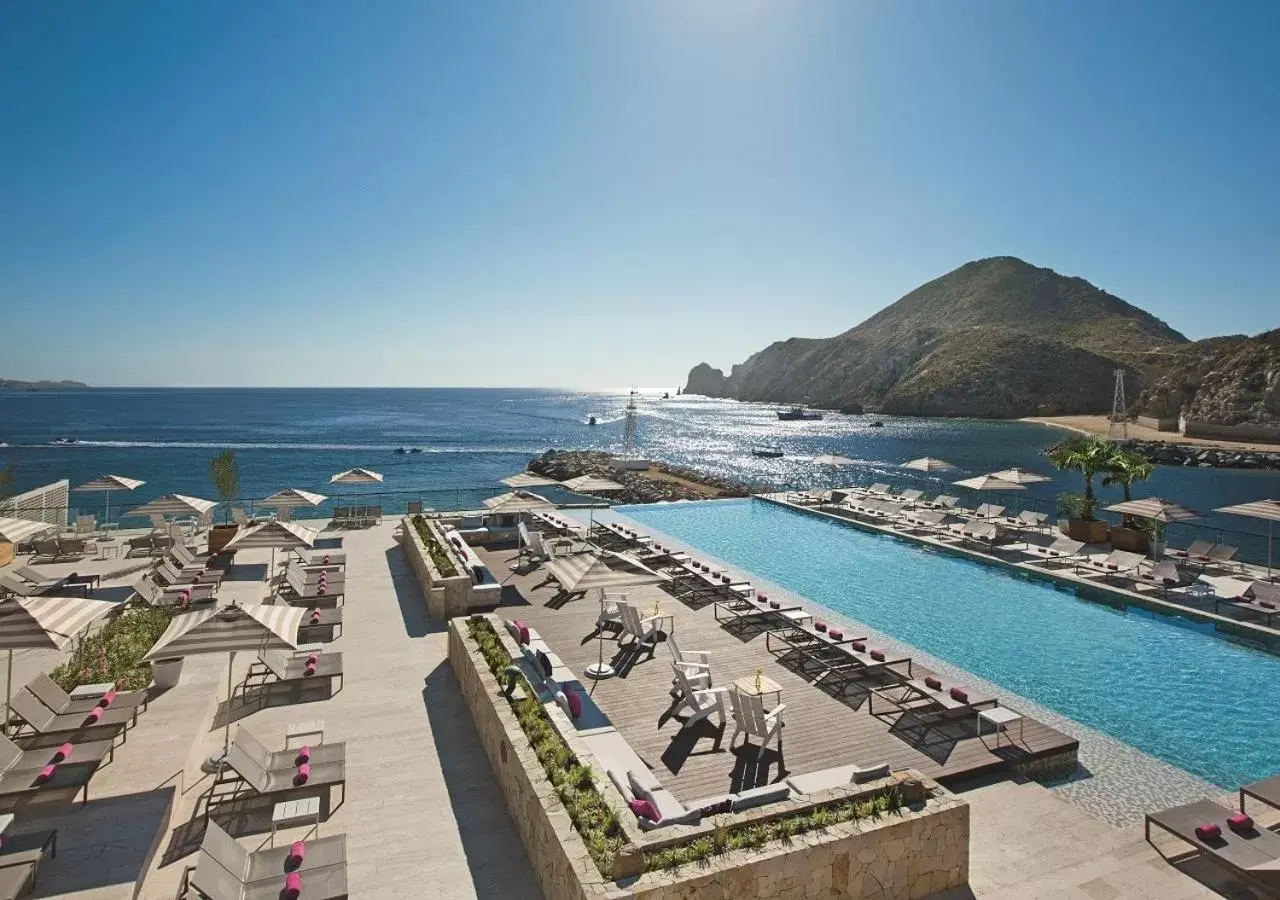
column 643, row 631
column 700, row 702
column 611, row 612
column 751, row 718
column 695, row 663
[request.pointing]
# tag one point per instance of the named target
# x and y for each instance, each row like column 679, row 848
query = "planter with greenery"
column 1127, row 468
column 224, row 472
column 114, row 652
column 1090, row 456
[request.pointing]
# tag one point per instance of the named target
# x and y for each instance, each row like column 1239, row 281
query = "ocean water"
column 1166, row 686
column 473, row 437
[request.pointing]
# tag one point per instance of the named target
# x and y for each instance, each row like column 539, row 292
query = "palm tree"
column 1126, row 469
column 1087, row 455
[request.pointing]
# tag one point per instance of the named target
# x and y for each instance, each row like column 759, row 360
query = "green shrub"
column 113, row 652
column 439, row 556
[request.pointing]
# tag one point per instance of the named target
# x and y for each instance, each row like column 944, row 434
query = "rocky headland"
column 662, row 481
column 1169, row 454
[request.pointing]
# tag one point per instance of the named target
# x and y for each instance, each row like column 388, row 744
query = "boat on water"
column 415, row 449
column 64, row 441
column 591, row 421
column 401, row 450
column 876, row 424
column 767, row 454
column 798, row 414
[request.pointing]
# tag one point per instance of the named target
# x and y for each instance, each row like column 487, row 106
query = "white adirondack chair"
column 701, row 702
column 611, row 611
column 643, row 630
column 696, row 665
column 751, row 719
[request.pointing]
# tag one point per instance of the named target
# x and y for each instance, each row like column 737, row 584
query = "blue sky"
column 588, row 193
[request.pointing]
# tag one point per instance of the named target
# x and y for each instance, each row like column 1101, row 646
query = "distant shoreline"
column 1098, row 425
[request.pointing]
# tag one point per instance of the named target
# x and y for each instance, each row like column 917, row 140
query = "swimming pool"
column 1164, row 685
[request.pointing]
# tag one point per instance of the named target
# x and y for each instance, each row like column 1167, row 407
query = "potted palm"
column 224, row 472
column 1126, row 469
column 1089, row 456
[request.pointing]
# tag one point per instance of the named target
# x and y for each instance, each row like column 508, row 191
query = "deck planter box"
column 1131, row 539
column 167, row 672
column 219, row 535
column 1091, row 531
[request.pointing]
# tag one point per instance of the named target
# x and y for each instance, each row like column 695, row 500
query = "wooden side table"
column 767, row 686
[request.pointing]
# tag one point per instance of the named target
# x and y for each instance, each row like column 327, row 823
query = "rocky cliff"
column 1223, row 381
column 996, row 338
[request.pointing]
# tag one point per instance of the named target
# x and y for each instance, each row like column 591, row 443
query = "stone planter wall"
column 6, row 553
column 445, row 597
column 1091, row 531
column 1131, row 539
column 910, row 853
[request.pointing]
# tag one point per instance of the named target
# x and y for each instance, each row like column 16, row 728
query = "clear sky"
column 603, row 192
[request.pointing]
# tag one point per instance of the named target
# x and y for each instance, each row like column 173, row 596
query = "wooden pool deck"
column 823, row 727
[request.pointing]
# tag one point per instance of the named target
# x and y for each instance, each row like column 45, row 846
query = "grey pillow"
column 544, row 663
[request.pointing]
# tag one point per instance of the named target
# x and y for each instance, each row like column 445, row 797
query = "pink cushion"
column 63, row 753
column 522, row 632
column 1209, row 831
column 1240, row 823
column 107, row 698
column 292, row 886
column 94, row 716
column 933, row 682
column 643, row 809
column 304, row 754
column 960, row 695
column 304, row 773
column 46, row 773
column 297, row 853
column 310, row 669
column 836, row 633
column 574, row 699
column 762, row 596
column 312, row 659
column 321, row 591
column 860, row 646
column 877, row 655
column 820, row 625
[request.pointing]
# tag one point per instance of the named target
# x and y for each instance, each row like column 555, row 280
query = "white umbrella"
column 989, row 483
column 15, row 531
column 584, row 572
column 1154, row 508
column 1019, row 476
column 929, row 464
column 107, row 484
column 833, row 460
column 174, row 505
column 252, row 626
column 285, row 535
column 43, row 623
column 589, row 483
column 528, row 480
column 289, row 498
column 357, row 476
column 516, row 501
column 1258, row 509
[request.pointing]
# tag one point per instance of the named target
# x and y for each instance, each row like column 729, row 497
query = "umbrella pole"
column 8, row 692
column 600, row 669
column 226, row 736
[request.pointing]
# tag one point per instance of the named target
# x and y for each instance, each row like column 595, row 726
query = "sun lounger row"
column 150, row 591
column 1206, row 553
column 59, row 549
column 315, row 869
column 1261, row 599
column 357, row 516
column 20, row 861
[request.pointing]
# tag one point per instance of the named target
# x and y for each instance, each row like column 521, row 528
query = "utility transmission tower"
column 1118, row 427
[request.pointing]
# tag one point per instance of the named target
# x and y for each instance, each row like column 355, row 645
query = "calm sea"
column 471, row 438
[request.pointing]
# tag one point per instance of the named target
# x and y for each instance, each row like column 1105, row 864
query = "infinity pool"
column 1164, row 685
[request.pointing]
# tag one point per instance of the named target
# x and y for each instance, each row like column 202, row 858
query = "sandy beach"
column 1098, row 425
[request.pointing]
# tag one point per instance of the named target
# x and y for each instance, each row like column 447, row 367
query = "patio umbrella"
column 46, row 623
column 16, row 531
column 584, row 572
column 528, row 480
column 1020, row 476
column 516, row 502
column 831, row 459
column 284, row 535
column 174, row 505
column 929, row 464
column 357, row 476
column 1258, row 509
column 289, row 498
column 989, row 483
column 589, row 483
column 1154, row 508
column 107, row 484
column 252, row 626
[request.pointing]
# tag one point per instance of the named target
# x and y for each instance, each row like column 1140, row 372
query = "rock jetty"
column 662, row 481
column 1167, row 454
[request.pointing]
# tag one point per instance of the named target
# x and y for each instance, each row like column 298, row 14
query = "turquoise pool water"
column 1166, row 686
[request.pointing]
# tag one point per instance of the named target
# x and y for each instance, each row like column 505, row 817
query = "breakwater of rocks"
column 662, row 482
column 1168, row 454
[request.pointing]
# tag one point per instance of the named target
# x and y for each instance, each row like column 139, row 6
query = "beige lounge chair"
column 1251, row 852
column 242, row 778
column 20, row 862
column 59, row 701
column 51, row 729
column 272, row 760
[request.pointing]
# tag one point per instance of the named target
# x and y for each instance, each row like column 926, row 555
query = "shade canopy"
column 252, row 626
column 174, row 505
column 47, row 623
column 283, row 535
column 110, row 483
column 357, row 476
column 1257, row 509
column 517, row 501
column 605, row 571
column 989, row 483
column 527, row 480
column 928, row 464
column 291, row 497
column 1154, row 508
column 830, row 459
column 1019, row 476
column 18, row 530
column 590, row 483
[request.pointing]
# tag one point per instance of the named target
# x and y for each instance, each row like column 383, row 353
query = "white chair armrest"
column 695, row 666
column 775, row 713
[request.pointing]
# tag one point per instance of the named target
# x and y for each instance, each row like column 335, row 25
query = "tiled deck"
column 823, row 728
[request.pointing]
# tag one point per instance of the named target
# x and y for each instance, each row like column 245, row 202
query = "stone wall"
column 913, row 852
column 1194, row 428
column 446, row 597
column 1158, row 424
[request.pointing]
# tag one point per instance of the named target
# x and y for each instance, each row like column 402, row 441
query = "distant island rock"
column 996, row 338
column 8, row 384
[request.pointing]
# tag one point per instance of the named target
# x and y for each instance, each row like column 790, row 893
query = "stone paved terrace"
column 422, row 815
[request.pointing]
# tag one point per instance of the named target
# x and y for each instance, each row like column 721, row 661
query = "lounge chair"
column 811, row 644
column 1221, row 554
column 753, row 720
column 1267, row 791
column 925, row 520
column 1260, row 598
column 1251, row 852
column 644, row 630
column 1027, row 520
column 1198, row 551
column 60, row 549
column 279, row 760
column 322, row 869
column 14, row 582
column 854, row 660
column 911, row 496
column 53, row 729
column 320, row 621
column 171, row 576
column 1063, row 549
column 1166, row 575
column 154, row 594
column 299, row 588
column 59, row 701
column 1118, row 562
column 26, row 778
column 20, row 861
column 929, row 698
column 701, row 702
column 275, row 666
column 988, row 511
column 745, row 610
column 242, row 778
column 187, row 558
column 945, row 501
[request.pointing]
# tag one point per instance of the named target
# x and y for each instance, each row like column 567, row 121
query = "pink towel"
column 293, row 886
column 836, row 634
column 312, row 659
column 304, row 772
column 820, row 625
column 933, row 683
column 326, row 559
column 315, row 611
column 304, row 754
column 315, row 618
column 107, row 698
column 297, row 853
column 877, row 655
column 46, row 773
column 63, row 753
column 320, row 591
column 94, row 716
column 310, row 670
